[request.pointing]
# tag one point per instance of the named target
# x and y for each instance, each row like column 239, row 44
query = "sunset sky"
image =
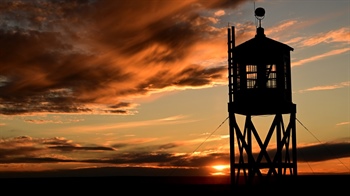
column 128, row 87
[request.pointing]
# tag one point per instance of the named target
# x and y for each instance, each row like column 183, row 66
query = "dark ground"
column 310, row 184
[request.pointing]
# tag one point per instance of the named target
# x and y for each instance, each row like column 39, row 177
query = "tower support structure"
column 256, row 159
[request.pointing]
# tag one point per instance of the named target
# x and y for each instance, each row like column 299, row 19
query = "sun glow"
column 220, row 167
column 220, row 170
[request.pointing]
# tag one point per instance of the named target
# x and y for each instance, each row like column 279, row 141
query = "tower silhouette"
column 259, row 83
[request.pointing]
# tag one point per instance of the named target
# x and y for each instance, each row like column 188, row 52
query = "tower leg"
column 280, row 160
column 232, row 125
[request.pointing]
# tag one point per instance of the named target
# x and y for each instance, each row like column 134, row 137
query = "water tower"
column 259, row 81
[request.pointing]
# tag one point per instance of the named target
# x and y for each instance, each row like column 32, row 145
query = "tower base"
column 266, row 163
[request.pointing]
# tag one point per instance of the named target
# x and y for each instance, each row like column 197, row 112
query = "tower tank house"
column 259, row 84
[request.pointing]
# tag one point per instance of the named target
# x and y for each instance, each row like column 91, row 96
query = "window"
column 238, row 78
column 271, row 76
column 285, row 72
column 252, row 74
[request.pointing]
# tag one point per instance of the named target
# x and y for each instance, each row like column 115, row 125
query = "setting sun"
column 221, row 170
column 221, row 167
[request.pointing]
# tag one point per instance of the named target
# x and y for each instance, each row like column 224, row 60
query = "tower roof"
column 262, row 44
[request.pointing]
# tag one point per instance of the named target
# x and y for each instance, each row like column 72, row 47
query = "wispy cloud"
column 339, row 35
column 42, row 119
column 320, row 56
column 179, row 119
column 342, row 123
column 27, row 149
column 327, row 87
column 282, row 27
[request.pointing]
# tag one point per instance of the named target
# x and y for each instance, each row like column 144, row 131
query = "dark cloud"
column 142, row 158
column 55, row 150
column 50, row 150
column 200, row 161
column 324, row 151
column 66, row 56
column 7, row 153
column 27, row 149
column 87, row 148
column 35, row 160
column 319, row 152
column 221, row 3
column 144, row 148
column 120, row 145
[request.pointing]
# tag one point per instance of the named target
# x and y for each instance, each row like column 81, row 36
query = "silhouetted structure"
column 259, row 75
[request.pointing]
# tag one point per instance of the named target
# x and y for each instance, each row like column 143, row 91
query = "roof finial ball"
column 259, row 14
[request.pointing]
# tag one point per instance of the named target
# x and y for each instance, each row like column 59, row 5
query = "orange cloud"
column 97, row 56
column 283, row 26
column 342, row 123
column 328, row 87
column 339, row 35
column 219, row 13
column 321, row 56
column 179, row 119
